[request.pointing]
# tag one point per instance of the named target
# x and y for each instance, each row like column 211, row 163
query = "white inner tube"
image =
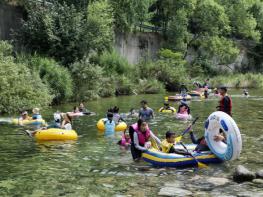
column 231, row 148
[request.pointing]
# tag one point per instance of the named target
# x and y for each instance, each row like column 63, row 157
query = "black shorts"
column 135, row 152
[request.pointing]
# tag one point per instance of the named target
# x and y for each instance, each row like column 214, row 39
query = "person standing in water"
column 225, row 103
column 145, row 113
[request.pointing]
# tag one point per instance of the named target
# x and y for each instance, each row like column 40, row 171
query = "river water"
column 96, row 166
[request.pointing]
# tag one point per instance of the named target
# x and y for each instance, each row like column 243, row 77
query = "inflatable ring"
column 160, row 159
column 30, row 122
column 230, row 149
column 171, row 110
column 179, row 97
column 55, row 134
column 121, row 126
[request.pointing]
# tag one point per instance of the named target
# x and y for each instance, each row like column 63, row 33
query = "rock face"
column 259, row 174
column 242, row 174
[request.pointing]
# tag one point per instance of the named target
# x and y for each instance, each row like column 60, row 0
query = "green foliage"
column 56, row 77
column 112, row 62
column 20, row 89
column 124, row 85
column 87, row 80
column 249, row 80
column 150, row 86
column 63, row 32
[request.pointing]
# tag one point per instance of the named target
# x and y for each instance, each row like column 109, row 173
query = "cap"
column 24, row 113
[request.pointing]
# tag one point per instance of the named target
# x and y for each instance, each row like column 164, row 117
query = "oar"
column 199, row 164
column 179, row 138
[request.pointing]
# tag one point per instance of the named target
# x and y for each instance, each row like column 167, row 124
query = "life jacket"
column 222, row 105
column 166, row 146
column 36, row 116
column 142, row 137
column 109, row 127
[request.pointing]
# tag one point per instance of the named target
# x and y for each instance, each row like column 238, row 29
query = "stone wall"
column 10, row 17
column 137, row 46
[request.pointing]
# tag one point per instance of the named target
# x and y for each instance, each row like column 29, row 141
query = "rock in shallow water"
column 173, row 191
column 258, row 181
column 216, row 181
column 242, row 174
column 259, row 174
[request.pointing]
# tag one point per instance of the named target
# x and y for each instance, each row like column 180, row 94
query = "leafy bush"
column 112, row 62
column 20, row 89
column 56, row 77
column 249, row 80
column 124, row 85
column 87, row 80
column 150, row 86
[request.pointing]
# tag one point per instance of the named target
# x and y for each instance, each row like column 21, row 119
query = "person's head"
column 142, row 125
column 75, row 109
column 126, row 134
column 166, row 104
column 35, row 110
column 110, row 115
column 170, row 137
column 81, row 106
column 24, row 114
column 110, row 110
column 144, row 103
column 115, row 109
column 222, row 90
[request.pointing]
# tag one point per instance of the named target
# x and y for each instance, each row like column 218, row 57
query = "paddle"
column 199, row 164
column 179, row 138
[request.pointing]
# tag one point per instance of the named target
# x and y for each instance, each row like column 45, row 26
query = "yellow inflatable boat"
column 56, row 134
column 29, row 122
column 170, row 110
column 121, row 126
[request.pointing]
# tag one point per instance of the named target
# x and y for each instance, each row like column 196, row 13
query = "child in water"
column 36, row 115
column 168, row 144
column 109, row 125
column 125, row 140
column 183, row 108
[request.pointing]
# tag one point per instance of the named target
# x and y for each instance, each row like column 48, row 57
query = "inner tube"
column 179, row 97
column 233, row 146
column 171, row 110
column 30, row 122
column 55, row 134
column 121, row 126
column 183, row 116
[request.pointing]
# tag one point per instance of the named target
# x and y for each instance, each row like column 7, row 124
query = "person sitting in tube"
column 109, row 125
column 125, row 140
column 166, row 106
column 167, row 145
column 201, row 142
column 36, row 115
column 24, row 116
column 140, row 135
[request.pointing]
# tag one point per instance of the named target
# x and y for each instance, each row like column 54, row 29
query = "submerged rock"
column 173, row 191
column 258, row 181
column 259, row 174
column 216, row 181
column 242, row 174
column 249, row 194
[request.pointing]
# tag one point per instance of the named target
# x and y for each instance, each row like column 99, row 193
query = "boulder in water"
column 259, row 174
column 242, row 174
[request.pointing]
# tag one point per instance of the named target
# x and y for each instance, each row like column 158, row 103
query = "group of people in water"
column 139, row 136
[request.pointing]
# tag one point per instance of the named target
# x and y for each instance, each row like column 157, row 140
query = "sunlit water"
column 96, row 166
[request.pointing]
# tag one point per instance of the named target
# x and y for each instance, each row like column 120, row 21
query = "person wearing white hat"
column 36, row 115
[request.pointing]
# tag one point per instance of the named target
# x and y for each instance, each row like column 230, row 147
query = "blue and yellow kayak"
column 160, row 159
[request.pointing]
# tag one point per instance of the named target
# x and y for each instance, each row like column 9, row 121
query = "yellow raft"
column 29, row 122
column 121, row 126
column 56, row 134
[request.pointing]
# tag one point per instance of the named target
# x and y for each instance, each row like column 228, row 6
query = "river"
column 96, row 166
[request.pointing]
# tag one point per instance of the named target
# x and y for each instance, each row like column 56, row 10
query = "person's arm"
column 152, row 113
column 140, row 114
column 193, row 137
column 155, row 138
column 136, row 142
